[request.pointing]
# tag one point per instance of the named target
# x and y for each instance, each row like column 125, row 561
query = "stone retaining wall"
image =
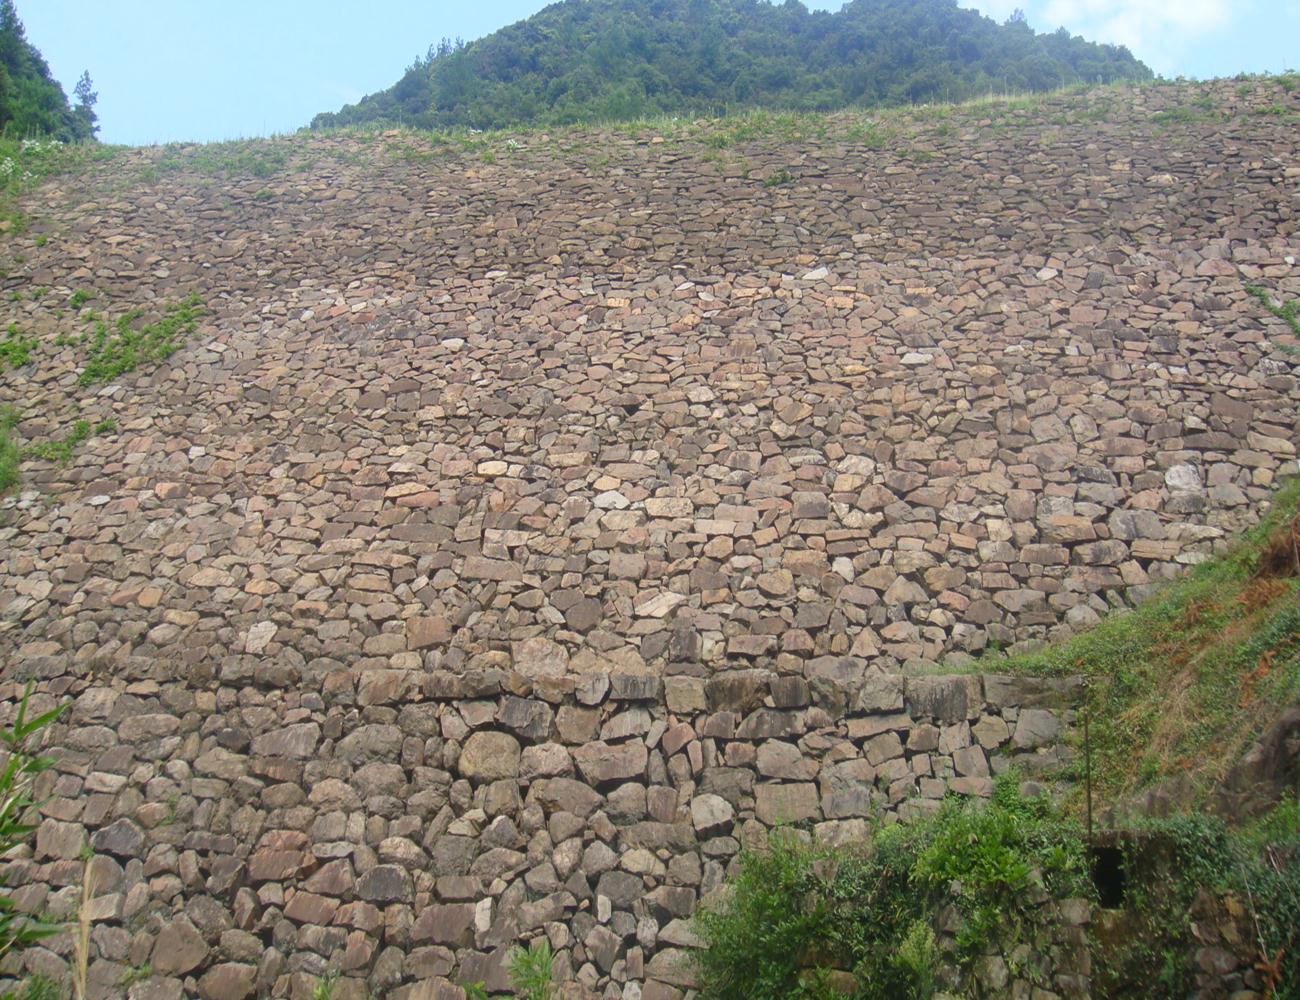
column 248, row 841
column 454, row 438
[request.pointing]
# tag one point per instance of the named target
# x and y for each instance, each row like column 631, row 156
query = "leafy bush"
column 762, row 933
column 1176, row 864
column 793, row 907
column 793, row 911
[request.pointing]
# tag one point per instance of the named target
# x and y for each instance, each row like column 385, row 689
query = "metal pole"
column 1087, row 760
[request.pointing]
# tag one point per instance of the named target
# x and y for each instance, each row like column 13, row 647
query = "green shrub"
column 793, row 907
column 918, row 958
column 776, row 913
column 1171, row 863
column 995, row 856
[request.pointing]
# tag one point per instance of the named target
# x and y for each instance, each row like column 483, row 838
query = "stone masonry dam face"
column 516, row 540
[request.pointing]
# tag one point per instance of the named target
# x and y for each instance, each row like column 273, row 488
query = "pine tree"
column 87, row 120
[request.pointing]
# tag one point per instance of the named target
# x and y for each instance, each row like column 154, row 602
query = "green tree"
column 85, row 109
column 31, row 101
column 586, row 60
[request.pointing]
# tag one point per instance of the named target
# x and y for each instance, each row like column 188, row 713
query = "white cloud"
column 1157, row 31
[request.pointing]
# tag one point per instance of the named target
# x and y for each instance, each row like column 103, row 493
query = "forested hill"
column 584, row 60
column 32, row 103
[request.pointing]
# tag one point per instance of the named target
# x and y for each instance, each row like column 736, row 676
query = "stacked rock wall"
column 608, row 407
column 252, row 846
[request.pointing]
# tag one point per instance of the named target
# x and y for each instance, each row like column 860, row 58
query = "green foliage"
column 918, row 959
column 260, row 158
column 1287, row 312
column 474, row 991
column 16, row 348
column 17, row 806
column 792, row 906
column 995, row 856
column 39, row 988
column 781, row 177
column 123, row 347
column 31, row 101
column 79, row 298
column 757, row 938
column 136, row 974
column 530, row 970
column 1178, row 864
column 618, row 60
column 84, row 111
column 324, row 988
column 1202, row 110
column 25, row 163
column 1229, row 645
column 62, row 450
column 10, row 454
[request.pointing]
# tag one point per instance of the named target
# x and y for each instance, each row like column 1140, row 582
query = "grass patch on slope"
column 25, row 163
column 1287, row 311
column 1181, row 684
column 127, row 344
column 241, row 157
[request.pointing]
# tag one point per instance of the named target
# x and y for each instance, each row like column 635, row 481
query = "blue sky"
column 222, row 69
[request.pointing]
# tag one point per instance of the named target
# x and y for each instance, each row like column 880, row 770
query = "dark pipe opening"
column 1109, row 875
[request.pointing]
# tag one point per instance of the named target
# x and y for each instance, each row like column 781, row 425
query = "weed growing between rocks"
column 1287, row 312
column 61, row 450
column 16, row 348
column 260, row 158
column 25, row 163
column 821, row 923
column 324, row 988
column 123, row 347
column 530, row 970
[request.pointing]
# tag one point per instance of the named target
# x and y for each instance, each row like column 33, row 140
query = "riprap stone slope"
column 459, row 441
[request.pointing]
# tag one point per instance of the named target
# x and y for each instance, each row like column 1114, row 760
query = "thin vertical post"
column 1087, row 760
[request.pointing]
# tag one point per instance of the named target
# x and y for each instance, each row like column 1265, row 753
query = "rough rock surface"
column 515, row 539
